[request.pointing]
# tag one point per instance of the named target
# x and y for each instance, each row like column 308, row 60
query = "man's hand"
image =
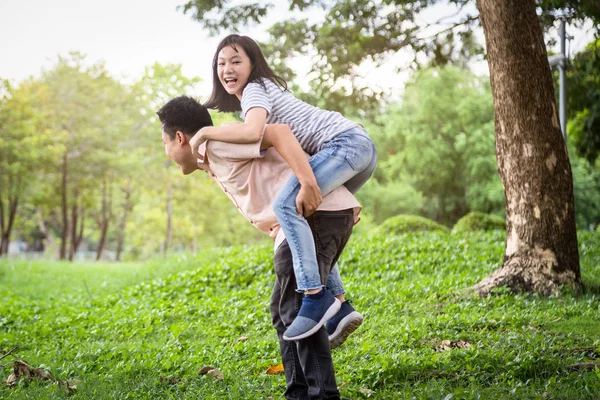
column 196, row 141
column 308, row 199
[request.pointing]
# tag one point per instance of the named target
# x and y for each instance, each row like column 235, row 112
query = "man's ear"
column 182, row 140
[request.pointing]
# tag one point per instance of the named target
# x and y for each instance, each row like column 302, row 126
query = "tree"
column 583, row 83
column 440, row 142
column 23, row 150
column 159, row 84
column 86, row 117
column 541, row 243
column 351, row 33
column 541, row 251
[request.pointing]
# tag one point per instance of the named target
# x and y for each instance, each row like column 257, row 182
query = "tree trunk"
column 126, row 209
column 77, row 238
column 77, row 225
column 44, row 229
column 169, row 219
column 105, row 216
column 6, row 227
column 541, row 239
column 2, row 244
column 102, row 242
column 65, row 218
column 74, row 220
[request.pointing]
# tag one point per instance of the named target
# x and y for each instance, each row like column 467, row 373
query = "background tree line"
column 82, row 164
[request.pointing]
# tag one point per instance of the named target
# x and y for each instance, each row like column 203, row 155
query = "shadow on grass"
column 591, row 288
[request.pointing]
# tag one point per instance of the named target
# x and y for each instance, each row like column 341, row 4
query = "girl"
column 342, row 153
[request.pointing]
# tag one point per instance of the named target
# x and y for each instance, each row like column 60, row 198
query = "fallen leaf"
column 368, row 392
column 216, row 373
column 462, row 344
column 242, row 339
column 172, row 380
column 73, row 383
column 22, row 370
column 445, row 345
column 12, row 378
column 274, row 369
column 43, row 374
column 459, row 344
column 69, row 386
column 588, row 366
column 205, row 369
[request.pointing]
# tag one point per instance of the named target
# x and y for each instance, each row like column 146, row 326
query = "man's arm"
column 283, row 140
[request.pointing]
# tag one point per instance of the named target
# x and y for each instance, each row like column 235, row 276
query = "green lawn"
column 119, row 328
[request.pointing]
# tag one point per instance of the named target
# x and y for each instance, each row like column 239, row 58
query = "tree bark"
column 13, row 204
column 541, row 240
column 77, row 238
column 126, row 209
column 65, row 218
column 77, row 225
column 44, row 229
column 74, row 220
column 105, row 216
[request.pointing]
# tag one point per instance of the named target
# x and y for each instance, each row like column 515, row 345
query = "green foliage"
column 407, row 224
column 382, row 200
column 586, row 187
column 478, row 221
column 102, row 137
column 440, row 143
column 353, row 33
column 169, row 317
column 583, row 85
column 25, row 149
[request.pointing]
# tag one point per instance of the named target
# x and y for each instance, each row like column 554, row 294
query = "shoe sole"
column 331, row 311
column 347, row 325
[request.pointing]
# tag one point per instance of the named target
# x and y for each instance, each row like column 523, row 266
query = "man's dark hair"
column 183, row 114
column 220, row 99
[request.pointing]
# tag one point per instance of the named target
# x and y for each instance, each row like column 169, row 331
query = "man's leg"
column 331, row 232
column 296, row 385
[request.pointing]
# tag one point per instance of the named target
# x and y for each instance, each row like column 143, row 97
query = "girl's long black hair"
column 219, row 98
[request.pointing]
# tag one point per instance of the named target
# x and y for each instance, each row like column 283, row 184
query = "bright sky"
column 129, row 35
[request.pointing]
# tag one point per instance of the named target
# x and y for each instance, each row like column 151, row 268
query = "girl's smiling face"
column 234, row 68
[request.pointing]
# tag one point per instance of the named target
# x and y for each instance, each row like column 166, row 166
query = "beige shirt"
column 251, row 178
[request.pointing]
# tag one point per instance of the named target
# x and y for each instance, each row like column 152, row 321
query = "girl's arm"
column 283, row 140
column 247, row 132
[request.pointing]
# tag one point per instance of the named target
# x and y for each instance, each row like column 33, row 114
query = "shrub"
column 408, row 223
column 478, row 221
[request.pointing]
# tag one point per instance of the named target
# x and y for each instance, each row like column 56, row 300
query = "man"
column 251, row 175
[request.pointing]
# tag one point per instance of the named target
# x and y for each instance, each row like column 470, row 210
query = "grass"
column 130, row 324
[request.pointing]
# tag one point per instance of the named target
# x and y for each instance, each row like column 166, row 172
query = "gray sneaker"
column 315, row 310
column 346, row 321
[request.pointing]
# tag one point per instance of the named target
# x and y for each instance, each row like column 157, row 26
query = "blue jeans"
column 349, row 159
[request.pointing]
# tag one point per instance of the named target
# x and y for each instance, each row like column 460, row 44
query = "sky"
column 129, row 35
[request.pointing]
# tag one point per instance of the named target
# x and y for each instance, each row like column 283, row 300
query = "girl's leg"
column 345, row 157
column 334, row 282
column 340, row 160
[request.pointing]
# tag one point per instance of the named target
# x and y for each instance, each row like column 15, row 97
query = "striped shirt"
column 311, row 125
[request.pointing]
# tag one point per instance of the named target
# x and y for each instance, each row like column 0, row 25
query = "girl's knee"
column 282, row 205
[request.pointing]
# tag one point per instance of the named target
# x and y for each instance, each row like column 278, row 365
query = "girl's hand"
column 308, row 199
column 196, row 141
